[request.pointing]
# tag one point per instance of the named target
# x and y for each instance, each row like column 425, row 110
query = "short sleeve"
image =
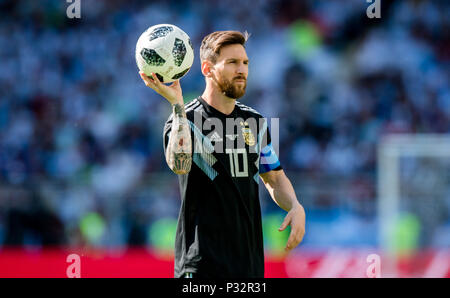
column 268, row 158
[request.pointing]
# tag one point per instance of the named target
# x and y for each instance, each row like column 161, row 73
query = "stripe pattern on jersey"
column 269, row 159
column 243, row 107
column 191, row 105
column 203, row 149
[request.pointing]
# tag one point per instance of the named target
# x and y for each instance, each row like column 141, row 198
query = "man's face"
column 231, row 71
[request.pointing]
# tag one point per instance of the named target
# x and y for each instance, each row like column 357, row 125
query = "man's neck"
column 218, row 100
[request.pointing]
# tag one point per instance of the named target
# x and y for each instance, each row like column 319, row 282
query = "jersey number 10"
column 235, row 169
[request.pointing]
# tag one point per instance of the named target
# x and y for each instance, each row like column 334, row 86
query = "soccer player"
column 219, row 148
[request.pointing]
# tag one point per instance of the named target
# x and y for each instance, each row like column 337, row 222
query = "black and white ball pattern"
column 165, row 50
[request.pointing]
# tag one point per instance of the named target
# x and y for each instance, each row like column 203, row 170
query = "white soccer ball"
column 165, row 50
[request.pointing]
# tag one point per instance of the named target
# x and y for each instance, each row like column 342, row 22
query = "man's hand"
column 296, row 219
column 172, row 93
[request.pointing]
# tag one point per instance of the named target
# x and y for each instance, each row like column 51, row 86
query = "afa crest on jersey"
column 249, row 138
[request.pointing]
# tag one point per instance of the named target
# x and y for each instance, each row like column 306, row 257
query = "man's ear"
column 207, row 67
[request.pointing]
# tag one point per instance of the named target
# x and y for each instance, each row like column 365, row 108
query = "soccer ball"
column 165, row 50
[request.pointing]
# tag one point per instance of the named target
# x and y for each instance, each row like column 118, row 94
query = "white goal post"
column 390, row 149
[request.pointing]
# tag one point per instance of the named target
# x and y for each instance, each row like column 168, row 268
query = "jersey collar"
column 212, row 111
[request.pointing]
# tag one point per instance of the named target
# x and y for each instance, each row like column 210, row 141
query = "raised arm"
column 179, row 149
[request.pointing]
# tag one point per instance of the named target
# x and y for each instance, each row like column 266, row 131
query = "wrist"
column 178, row 109
column 296, row 205
column 178, row 101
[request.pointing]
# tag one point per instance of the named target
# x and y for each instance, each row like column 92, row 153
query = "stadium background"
column 81, row 162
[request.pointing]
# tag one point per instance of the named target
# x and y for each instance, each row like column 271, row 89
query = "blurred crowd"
column 81, row 156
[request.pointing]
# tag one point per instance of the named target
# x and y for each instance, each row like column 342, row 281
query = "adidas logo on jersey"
column 215, row 137
column 231, row 137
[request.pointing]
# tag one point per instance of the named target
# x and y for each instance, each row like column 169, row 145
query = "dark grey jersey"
column 219, row 232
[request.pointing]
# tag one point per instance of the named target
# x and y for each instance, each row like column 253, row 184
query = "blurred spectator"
column 75, row 115
column 31, row 223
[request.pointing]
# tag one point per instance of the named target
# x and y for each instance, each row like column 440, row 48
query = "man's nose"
column 242, row 69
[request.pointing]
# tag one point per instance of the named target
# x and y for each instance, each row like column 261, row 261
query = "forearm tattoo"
column 179, row 149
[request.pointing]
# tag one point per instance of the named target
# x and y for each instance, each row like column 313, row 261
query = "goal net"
column 414, row 200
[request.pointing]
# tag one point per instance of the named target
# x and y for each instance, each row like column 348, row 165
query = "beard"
column 230, row 89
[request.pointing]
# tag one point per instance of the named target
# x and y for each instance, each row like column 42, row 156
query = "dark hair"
column 214, row 42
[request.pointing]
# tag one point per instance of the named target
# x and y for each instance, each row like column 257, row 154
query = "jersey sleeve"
column 268, row 160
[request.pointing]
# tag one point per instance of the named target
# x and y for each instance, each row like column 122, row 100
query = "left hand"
column 296, row 219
